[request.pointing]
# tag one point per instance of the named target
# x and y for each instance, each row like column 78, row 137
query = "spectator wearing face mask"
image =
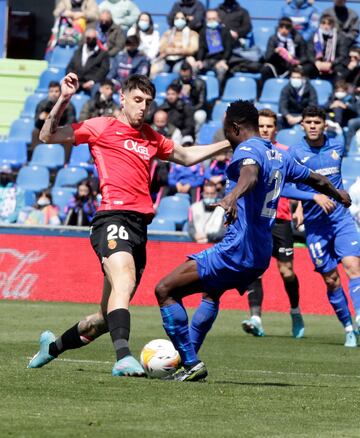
column 42, row 213
column 193, row 11
column 342, row 105
column 347, row 20
column 110, row 34
column 89, row 62
column 12, row 198
column 206, row 222
column 295, row 97
column 124, row 12
column 304, row 16
column 81, row 209
column 102, row 105
column 216, row 171
column 149, row 37
column 353, row 67
column 128, row 62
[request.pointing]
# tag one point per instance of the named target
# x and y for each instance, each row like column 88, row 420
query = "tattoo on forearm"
column 55, row 118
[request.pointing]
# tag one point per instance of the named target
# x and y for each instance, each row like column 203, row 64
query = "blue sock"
column 175, row 323
column 339, row 303
column 202, row 321
column 354, row 289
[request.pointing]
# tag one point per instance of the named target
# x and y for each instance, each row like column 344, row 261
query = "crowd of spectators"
column 115, row 39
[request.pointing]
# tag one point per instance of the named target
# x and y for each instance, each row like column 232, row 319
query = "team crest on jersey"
column 112, row 244
column 318, row 262
column 335, row 155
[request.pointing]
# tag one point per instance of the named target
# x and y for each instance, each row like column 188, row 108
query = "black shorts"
column 283, row 241
column 114, row 231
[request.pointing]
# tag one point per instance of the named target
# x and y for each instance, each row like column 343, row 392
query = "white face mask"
column 143, row 25
column 296, row 82
column 340, row 94
column 42, row 202
column 180, row 23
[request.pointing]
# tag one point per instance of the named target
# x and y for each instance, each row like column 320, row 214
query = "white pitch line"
column 280, row 373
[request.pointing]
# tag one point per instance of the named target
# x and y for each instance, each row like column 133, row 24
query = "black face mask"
column 84, row 198
column 132, row 52
column 105, row 25
column 91, row 43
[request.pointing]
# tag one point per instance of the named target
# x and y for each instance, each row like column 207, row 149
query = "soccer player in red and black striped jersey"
column 123, row 149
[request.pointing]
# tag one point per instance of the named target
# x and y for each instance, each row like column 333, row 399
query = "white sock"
column 256, row 318
column 349, row 328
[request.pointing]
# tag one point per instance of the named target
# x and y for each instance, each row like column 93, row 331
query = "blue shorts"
column 217, row 276
column 329, row 244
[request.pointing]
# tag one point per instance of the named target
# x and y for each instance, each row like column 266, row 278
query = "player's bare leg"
column 351, row 266
column 338, row 301
column 291, row 284
column 183, row 281
column 79, row 335
column 121, row 273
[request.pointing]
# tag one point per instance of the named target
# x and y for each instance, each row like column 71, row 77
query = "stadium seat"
column 323, row 90
column 219, row 111
column 51, row 156
column 207, row 132
column 262, row 33
column 13, row 152
column 272, row 106
column 160, row 23
column 354, row 148
column 246, row 74
column 289, row 137
column 78, row 101
column 212, row 87
column 175, row 208
column 61, row 56
column 33, row 178
column 80, row 157
column 70, row 176
column 350, row 167
column 162, row 224
column 51, row 74
column 21, row 129
column 29, row 198
column 61, row 196
column 161, row 82
column 239, row 86
column 272, row 90
column 31, row 103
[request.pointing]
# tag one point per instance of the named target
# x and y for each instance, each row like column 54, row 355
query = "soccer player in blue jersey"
column 332, row 238
column 256, row 176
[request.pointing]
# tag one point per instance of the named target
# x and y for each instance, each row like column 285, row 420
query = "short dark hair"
column 329, row 18
column 285, row 21
column 314, row 111
column 297, row 69
column 266, row 112
column 244, row 113
column 140, row 82
column 107, row 82
column 174, row 87
column 132, row 40
column 54, row 84
column 186, row 66
column 341, row 83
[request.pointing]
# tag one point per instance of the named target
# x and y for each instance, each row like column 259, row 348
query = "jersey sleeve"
column 89, row 130
column 165, row 146
column 246, row 155
column 295, row 172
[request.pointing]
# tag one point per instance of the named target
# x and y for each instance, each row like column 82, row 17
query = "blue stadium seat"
column 354, row 148
column 162, row 224
column 160, row 23
column 212, row 87
column 78, row 101
column 239, row 86
column 29, row 198
column 51, row 74
column 350, row 167
column 80, row 157
column 13, row 152
column 207, row 132
column 348, row 182
column 323, row 90
column 61, row 56
column 272, row 106
column 70, row 176
column 262, row 33
column 61, row 196
column 31, row 103
column 51, row 156
column 219, row 111
column 175, row 208
column 272, row 90
column 289, row 137
column 161, row 82
column 246, row 74
column 21, row 129
column 33, row 178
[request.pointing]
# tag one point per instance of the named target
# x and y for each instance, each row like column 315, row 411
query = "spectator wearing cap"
column 193, row 10
column 102, row 104
column 128, row 62
column 124, row 12
column 180, row 113
column 110, row 34
column 347, row 20
column 149, row 37
column 193, row 92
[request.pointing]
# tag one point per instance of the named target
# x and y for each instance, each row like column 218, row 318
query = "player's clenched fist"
column 345, row 198
column 69, row 85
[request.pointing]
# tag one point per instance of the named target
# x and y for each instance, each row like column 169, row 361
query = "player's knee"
column 161, row 292
column 286, row 272
column 352, row 267
column 332, row 281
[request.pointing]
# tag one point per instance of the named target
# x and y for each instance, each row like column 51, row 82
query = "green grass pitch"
column 274, row 386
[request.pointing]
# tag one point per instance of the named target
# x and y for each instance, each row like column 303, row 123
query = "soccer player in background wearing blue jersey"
column 332, row 238
column 256, row 176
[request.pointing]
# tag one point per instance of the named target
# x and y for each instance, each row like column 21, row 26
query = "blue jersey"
column 325, row 160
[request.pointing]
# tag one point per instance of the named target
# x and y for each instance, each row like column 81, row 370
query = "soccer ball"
column 159, row 358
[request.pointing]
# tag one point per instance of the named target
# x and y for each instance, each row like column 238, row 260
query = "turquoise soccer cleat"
column 298, row 327
column 350, row 339
column 42, row 357
column 253, row 326
column 128, row 366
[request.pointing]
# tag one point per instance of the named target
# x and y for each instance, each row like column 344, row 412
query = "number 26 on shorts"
column 115, row 232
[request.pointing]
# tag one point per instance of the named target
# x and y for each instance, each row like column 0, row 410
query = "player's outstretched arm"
column 323, row 185
column 51, row 132
column 188, row 156
column 247, row 181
